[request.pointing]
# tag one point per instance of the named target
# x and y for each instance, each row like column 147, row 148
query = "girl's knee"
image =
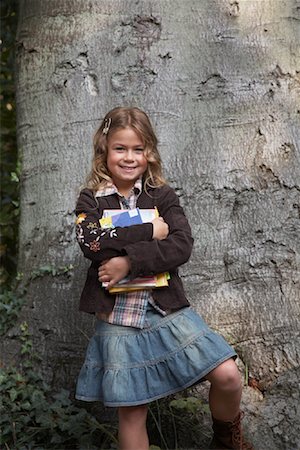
column 226, row 376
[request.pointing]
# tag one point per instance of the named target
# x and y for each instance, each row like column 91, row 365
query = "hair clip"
column 107, row 123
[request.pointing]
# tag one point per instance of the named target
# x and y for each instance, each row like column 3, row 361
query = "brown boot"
column 229, row 435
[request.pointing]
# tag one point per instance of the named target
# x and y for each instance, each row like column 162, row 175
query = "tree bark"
column 220, row 81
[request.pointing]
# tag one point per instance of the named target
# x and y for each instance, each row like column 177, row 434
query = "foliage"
column 11, row 302
column 33, row 418
column 178, row 423
column 51, row 270
column 10, row 167
column 13, row 298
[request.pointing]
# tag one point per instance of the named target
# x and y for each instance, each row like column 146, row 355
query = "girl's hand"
column 160, row 229
column 113, row 270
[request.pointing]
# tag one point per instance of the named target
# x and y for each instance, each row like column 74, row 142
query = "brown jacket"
column 147, row 256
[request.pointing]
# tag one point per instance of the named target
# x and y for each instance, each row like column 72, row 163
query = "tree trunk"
column 220, row 81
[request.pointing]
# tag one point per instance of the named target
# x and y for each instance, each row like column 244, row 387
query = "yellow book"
column 161, row 281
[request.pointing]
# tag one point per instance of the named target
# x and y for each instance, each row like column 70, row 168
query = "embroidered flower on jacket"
column 111, row 232
column 92, row 225
column 95, row 246
column 80, row 218
column 79, row 233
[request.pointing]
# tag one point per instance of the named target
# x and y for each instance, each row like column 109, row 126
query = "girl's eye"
column 119, row 148
column 139, row 150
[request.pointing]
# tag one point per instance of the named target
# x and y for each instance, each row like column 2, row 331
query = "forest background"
column 220, row 80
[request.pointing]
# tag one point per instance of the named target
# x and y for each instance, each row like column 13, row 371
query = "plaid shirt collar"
column 109, row 189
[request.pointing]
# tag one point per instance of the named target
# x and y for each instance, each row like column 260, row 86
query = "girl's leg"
column 225, row 391
column 132, row 428
column 224, row 400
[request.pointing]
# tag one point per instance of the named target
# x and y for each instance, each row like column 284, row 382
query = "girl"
column 147, row 344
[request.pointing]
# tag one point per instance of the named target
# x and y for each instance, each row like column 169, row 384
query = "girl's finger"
column 102, row 269
column 104, row 278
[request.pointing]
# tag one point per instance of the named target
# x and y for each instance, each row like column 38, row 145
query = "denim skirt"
column 127, row 366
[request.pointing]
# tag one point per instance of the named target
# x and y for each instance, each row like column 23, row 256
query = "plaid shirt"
column 130, row 307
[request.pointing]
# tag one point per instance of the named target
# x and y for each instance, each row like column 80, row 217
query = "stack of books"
column 113, row 218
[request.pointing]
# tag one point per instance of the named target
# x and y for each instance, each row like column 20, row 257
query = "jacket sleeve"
column 156, row 256
column 98, row 244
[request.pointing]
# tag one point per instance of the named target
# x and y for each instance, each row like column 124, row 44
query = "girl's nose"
column 129, row 155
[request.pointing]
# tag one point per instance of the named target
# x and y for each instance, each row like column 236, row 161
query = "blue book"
column 113, row 218
column 127, row 218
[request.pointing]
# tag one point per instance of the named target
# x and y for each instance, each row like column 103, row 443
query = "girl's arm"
column 115, row 269
column 156, row 256
column 98, row 244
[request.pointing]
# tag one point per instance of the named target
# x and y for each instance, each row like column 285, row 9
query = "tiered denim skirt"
column 127, row 366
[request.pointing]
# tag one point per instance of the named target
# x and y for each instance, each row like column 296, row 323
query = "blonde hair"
column 120, row 118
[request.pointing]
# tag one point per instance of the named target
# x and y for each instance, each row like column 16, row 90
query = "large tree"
column 220, row 80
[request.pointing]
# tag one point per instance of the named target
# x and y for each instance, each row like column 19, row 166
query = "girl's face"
column 126, row 161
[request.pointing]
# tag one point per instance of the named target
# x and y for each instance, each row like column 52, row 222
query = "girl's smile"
column 126, row 159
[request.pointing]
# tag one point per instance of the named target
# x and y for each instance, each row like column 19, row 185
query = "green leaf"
column 14, row 177
column 13, row 394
